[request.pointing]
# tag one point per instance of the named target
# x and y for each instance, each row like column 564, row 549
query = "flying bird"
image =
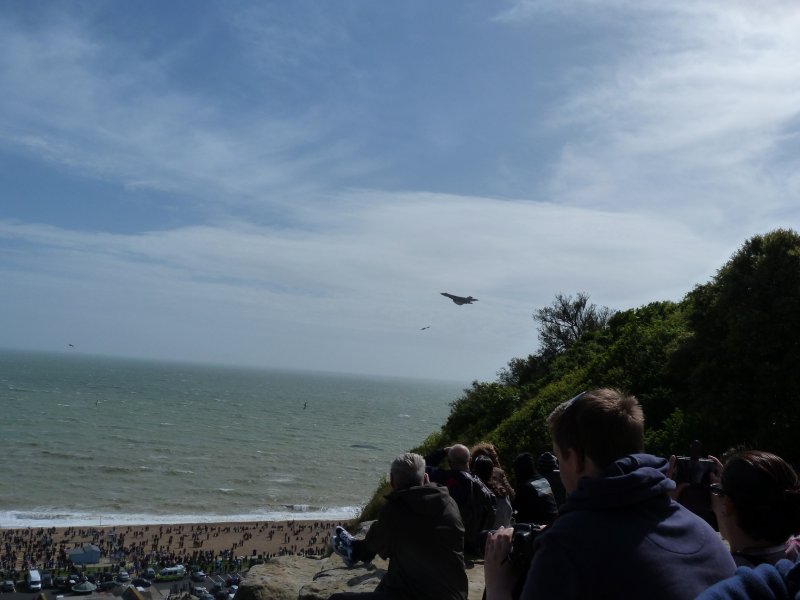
column 424, row 328
column 460, row 299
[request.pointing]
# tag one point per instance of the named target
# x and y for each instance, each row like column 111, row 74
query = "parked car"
column 141, row 582
column 149, row 573
column 233, row 580
column 7, row 586
column 61, row 582
column 105, row 586
column 123, row 576
column 47, row 579
column 198, row 576
column 199, row 591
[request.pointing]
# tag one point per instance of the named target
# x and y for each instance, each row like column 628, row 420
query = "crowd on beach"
column 217, row 547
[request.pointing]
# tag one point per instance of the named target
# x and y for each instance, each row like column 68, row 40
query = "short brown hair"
column 602, row 424
column 765, row 490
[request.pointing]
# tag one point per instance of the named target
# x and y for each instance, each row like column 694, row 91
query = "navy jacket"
column 764, row 582
column 621, row 536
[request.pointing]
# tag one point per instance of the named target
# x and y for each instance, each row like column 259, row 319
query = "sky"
column 293, row 184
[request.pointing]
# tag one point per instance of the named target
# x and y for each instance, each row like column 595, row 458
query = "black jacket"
column 420, row 531
column 534, row 502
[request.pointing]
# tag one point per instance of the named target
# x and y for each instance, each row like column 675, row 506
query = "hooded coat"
column 419, row 530
column 622, row 536
column 764, row 582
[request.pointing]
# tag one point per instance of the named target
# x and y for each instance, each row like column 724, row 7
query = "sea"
column 93, row 441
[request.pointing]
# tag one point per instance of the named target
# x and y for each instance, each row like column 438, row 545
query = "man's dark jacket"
column 622, row 536
column 476, row 502
column 419, row 530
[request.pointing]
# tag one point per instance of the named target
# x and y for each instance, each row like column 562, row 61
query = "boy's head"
column 601, row 425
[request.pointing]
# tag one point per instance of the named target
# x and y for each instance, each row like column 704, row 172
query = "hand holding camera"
column 693, row 475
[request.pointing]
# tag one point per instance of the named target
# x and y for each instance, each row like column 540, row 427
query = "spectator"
column 419, row 530
column 534, row 501
column 482, row 467
column 475, row 501
column 547, row 465
column 498, row 484
column 619, row 534
column 756, row 499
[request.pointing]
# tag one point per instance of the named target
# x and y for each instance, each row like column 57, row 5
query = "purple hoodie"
column 621, row 536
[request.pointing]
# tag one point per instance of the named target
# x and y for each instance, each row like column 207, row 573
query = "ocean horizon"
column 96, row 441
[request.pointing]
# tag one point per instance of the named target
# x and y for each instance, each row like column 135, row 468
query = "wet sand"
column 161, row 545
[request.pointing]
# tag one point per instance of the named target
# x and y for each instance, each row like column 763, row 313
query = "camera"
column 695, row 471
column 692, row 469
column 521, row 552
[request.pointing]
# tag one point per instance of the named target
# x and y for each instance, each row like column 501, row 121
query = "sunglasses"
column 716, row 490
column 575, row 399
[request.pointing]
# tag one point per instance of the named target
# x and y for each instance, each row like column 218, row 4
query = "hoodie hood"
column 423, row 500
column 629, row 480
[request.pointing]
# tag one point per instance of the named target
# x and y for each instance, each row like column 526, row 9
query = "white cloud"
column 690, row 117
column 370, row 279
column 130, row 123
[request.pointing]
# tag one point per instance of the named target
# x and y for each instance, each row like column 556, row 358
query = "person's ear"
column 580, row 461
column 728, row 507
column 425, row 479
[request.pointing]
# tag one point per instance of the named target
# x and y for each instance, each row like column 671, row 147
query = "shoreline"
column 214, row 546
column 65, row 519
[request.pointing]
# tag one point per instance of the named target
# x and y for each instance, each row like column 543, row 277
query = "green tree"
column 742, row 363
column 479, row 410
column 564, row 322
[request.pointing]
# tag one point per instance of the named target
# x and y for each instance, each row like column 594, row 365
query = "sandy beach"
column 213, row 546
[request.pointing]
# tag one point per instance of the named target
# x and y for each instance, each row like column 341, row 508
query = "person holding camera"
column 534, row 501
column 619, row 534
column 420, row 531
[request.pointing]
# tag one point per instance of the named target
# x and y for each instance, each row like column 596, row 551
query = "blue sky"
column 292, row 184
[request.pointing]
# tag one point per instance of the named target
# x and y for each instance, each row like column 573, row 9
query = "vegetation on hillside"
column 720, row 366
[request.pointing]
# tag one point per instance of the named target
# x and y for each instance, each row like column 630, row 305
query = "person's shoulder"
column 781, row 580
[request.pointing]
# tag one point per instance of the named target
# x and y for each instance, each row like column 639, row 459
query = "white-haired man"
column 419, row 530
column 476, row 503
